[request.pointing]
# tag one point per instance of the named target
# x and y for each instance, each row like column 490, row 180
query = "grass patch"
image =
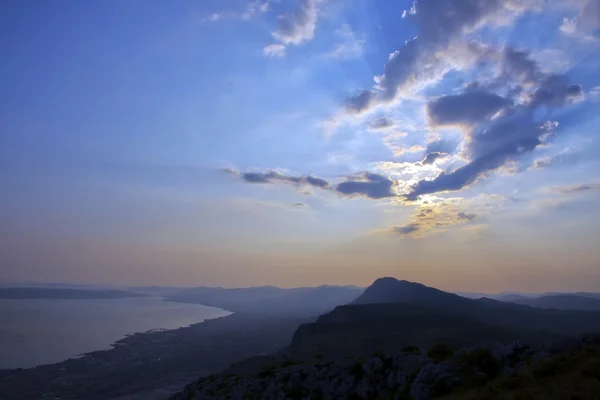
column 572, row 376
column 440, row 352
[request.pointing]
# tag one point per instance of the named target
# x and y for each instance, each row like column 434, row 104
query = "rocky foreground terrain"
column 408, row 374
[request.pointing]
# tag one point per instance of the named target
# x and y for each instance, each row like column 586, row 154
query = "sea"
column 43, row 331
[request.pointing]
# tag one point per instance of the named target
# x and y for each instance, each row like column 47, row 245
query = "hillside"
column 471, row 373
column 574, row 374
column 356, row 330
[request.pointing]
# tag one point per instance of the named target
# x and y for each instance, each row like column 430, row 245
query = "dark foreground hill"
column 565, row 370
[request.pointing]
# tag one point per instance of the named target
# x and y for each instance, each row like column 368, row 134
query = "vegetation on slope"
column 574, row 375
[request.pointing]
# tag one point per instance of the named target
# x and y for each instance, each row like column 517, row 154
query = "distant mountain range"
column 563, row 302
column 271, row 300
column 59, row 293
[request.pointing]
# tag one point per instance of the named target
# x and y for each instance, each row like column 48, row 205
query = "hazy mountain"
column 391, row 290
column 391, row 314
column 563, row 302
column 270, row 299
column 52, row 293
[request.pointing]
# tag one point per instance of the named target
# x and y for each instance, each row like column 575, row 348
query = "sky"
column 301, row 142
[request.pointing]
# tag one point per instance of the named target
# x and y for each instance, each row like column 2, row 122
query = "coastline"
column 40, row 332
column 156, row 363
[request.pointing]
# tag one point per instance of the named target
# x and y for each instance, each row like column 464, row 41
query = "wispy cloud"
column 572, row 189
column 349, row 46
column 275, row 50
column 252, row 9
column 300, row 25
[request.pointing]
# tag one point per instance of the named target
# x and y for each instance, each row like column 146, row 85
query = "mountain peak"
column 392, row 290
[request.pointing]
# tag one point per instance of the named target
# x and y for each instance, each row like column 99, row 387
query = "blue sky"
column 302, row 142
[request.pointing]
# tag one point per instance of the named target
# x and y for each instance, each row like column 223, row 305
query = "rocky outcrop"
column 394, row 376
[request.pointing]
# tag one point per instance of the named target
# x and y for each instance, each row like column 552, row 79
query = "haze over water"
column 40, row 331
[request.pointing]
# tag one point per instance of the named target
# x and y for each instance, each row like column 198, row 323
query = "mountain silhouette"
column 393, row 313
column 391, row 290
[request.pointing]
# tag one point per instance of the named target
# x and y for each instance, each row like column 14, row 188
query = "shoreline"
column 158, row 363
column 19, row 356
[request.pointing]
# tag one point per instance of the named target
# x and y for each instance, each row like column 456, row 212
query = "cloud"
column 441, row 146
column 442, row 25
column 498, row 131
column 467, row 108
column 542, row 162
column 299, row 26
column 360, row 102
column 275, row 50
column 267, row 177
column 252, row 9
column 406, row 229
column 572, row 189
column 517, row 64
column 555, row 92
column 317, row 182
column 399, row 150
column 585, row 25
column 430, row 158
column 490, row 148
column 299, row 205
column 436, row 215
column 380, row 123
column 349, row 46
column 468, row 217
column 368, row 185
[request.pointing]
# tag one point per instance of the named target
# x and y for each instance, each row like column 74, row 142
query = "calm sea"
column 34, row 332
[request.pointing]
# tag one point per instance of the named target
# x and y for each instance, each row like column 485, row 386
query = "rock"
column 435, row 379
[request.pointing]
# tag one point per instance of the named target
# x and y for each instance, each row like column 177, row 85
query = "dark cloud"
column 400, row 68
column 555, row 92
column 359, row 103
column 366, row 184
column 552, row 90
column 439, row 23
column 490, row 149
column 318, row 182
column 370, row 185
column 517, row 64
column 255, row 177
column 465, row 216
column 272, row 177
column 576, row 188
column 441, row 146
column 299, row 205
column 406, row 229
column 492, row 143
column 380, row 123
column 468, row 108
column 431, row 157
